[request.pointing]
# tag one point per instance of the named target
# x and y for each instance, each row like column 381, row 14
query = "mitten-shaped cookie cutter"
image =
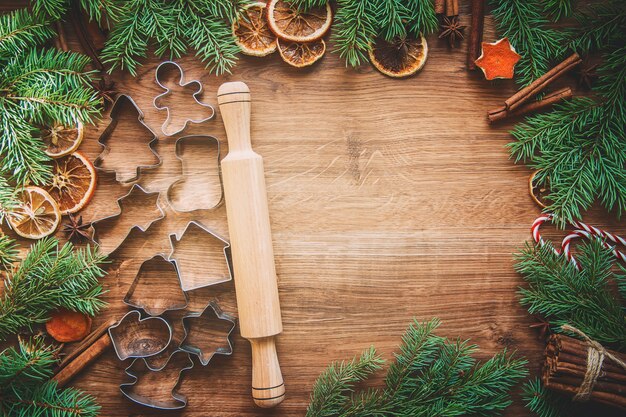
column 158, row 76
column 204, row 335
column 192, row 262
column 104, row 139
column 196, row 176
column 169, row 376
column 170, row 296
column 134, row 337
column 136, row 189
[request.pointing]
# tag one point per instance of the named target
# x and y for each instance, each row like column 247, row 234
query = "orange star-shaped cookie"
column 498, row 59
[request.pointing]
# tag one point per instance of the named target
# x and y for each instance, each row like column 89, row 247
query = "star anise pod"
column 106, row 89
column 452, row 30
column 76, row 230
column 587, row 74
column 542, row 325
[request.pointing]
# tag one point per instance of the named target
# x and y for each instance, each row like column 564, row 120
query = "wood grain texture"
column 389, row 200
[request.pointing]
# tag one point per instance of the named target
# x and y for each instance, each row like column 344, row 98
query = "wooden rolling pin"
column 251, row 245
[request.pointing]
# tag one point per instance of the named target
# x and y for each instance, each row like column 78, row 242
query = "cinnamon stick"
column 440, row 6
column 452, row 8
column 86, row 342
column 89, row 355
column 476, row 33
column 565, row 368
column 542, row 82
column 502, row 113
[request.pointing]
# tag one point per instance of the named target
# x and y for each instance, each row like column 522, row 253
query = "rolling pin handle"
column 268, row 387
column 234, row 101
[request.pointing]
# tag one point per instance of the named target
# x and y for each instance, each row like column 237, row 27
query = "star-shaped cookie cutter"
column 181, row 83
column 212, row 311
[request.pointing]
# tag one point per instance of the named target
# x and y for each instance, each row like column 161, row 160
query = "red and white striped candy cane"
column 584, row 230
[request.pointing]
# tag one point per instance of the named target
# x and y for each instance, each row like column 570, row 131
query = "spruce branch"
column 8, row 252
column 28, row 365
column 543, row 402
column 429, row 376
column 20, row 30
column 48, row 400
column 51, row 277
column 528, row 30
column 558, row 9
column 562, row 294
column 354, row 29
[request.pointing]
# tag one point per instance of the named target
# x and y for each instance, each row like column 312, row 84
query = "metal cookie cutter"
column 205, row 336
column 134, row 337
column 158, row 74
column 195, row 266
column 119, row 104
column 170, row 296
column 195, row 177
column 157, row 389
column 135, row 190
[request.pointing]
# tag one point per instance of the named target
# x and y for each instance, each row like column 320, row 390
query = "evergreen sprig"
column 430, row 376
column 528, row 30
column 358, row 23
column 25, row 388
column 48, row 278
column 8, row 252
column 37, row 87
column 563, row 294
column 543, row 402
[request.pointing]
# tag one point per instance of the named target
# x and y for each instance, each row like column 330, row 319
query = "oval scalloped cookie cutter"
column 181, row 82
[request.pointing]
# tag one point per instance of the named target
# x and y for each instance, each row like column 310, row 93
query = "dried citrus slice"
column 61, row 140
column 73, row 182
column 401, row 57
column 301, row 54
column 68, row 326
column 252, row 33
column 291, row 24
column 37, row 216
column 537, row 192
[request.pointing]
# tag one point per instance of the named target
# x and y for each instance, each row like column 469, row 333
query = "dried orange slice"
column 291, row 24
column 401, row 57
column 252, row 33
column 37, row 216
column 68, row 326
column 73, row 182
column 61, row 140
column 538, row 193
column 301, row 54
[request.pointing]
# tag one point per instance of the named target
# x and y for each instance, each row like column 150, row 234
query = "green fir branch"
column 558, row 291
column 48, row 400
column 558, row 9
column 51, row 277
column 430, row 376
column 528, row 31
column 8, row 252
column 543, row 402
column 25, row 367
column 21, row 30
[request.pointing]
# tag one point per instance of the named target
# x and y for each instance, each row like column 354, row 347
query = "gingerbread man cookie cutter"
column 163, row 66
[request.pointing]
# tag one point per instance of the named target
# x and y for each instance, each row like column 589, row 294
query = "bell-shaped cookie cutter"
column 182, row 83
column 179, row 144
column 106, row 135
column 134, row 337
column 136, row 188
column 188, row 285
column 164, row 302
column 214, row 311
column 177, row 401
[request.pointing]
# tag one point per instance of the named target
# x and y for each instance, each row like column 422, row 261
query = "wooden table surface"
column 389, row 200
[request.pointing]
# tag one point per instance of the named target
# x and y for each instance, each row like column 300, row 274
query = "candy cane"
column 584, row 230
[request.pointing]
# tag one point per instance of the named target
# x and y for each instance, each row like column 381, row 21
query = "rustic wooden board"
column 389, row 199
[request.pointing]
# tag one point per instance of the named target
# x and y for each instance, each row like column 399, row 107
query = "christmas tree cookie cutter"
column 136, row 192
column 159, row 76
column 197, row 266
column 201, row 341
column 170, row 295
column 127, row 175
column 134, row 337
column 189, row 192
column 157, row 389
